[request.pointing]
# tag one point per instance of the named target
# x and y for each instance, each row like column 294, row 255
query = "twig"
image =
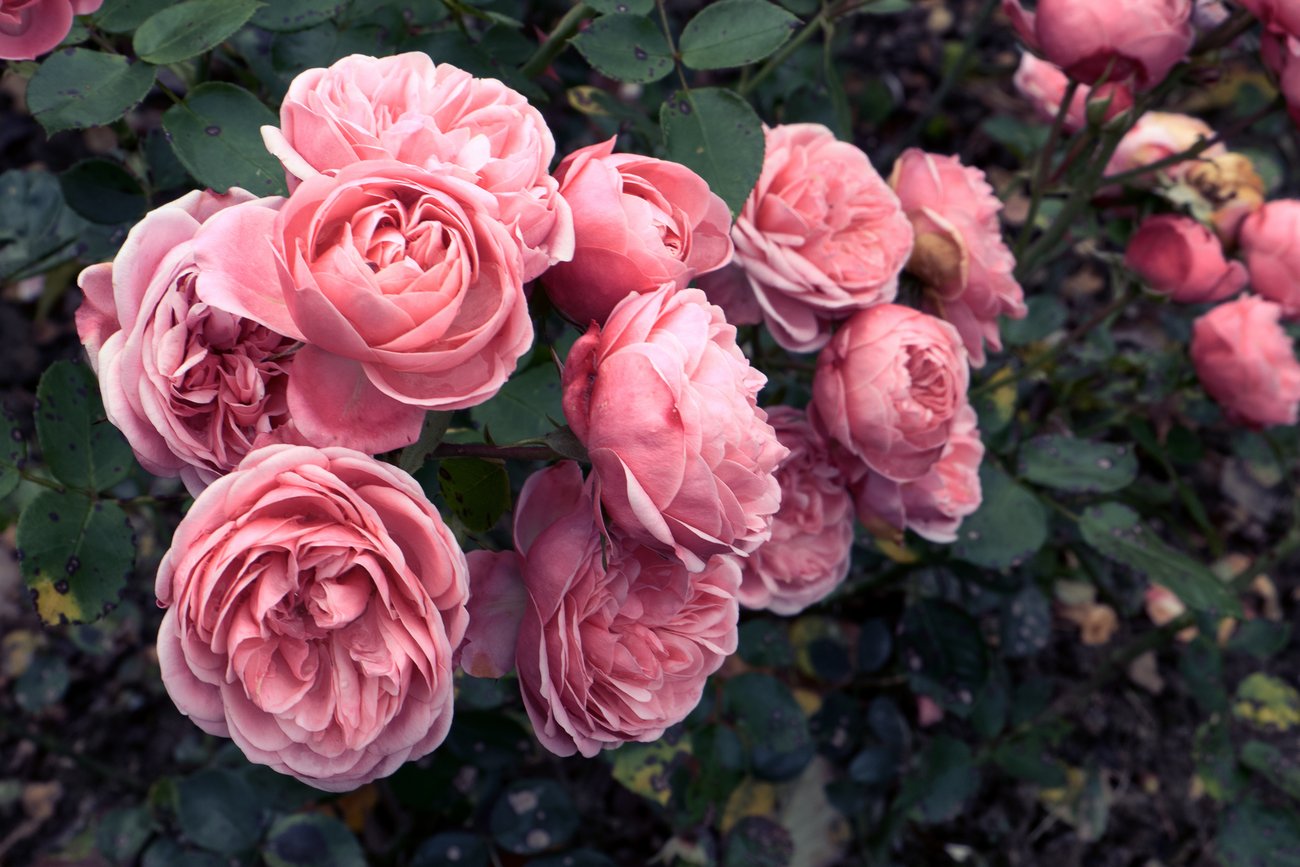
column 556, row 41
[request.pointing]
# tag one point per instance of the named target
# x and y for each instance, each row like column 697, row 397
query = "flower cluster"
column 265, row 350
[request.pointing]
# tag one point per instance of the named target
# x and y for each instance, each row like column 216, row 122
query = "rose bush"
column 314, row 597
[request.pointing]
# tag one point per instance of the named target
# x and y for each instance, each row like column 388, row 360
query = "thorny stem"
column 482, row 450
column 1044, row 166
column 556, row 41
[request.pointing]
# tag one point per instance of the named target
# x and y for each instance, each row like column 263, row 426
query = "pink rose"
column 821, row 235
column 665, row 403
column 615, row 642
column 1281, row 54
column 965, row 266
column 934, row 505
column 1181, row 258
column 436, row 117
column 193, row 387
column 1115, row 41
column 812, row 535
column 1279, row 16
column 29, row 28
column 403, row 283
column 639, row 223
column 1044, row 85
column 1158, row 135
column 1270, row 244
column 497, row 600
column 314, row 597
column 1246, row 362
column 888, row 389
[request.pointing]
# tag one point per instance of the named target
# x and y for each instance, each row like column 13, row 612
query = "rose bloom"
column 1246, row 362
column 437, row 117
column 313, row 598
column 665, row 403
column 821, row 235
column 1181, row 258
column 1270, row 244
column 889, row 387
column 193, row 387
column 615, row 642
column 1279, row 16
column 403, row 283
column 1044, row 86
column 959, row 255
column 639, row 223
column 1281, row 54
column 812, row 535
column 934, row 505
column 1116, row 41
column 29, row 28
column 1156, row 136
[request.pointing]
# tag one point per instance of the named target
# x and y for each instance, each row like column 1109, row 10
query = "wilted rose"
column 965, row 267
column 438, row 118
column 665, row 402
column 1246, row 362
column 821, row 235
column 314, row 597
column 639, row 223
column 812, row 535
column 193, row 387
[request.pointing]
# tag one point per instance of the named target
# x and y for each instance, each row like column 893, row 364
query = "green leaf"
column 312, row 840
column 1261, row 638
column 43, row 683
column 122, row 833
column 635, row 7
column 165, row 852
column 453, row 849
column 947, row 657
column 219, row 811
column 1115, row 532
column 1273, row 765
column 757, row 841
column 82, row 449
column 123, row 16
column 1047, row 314
column 1079, row 466
column 945, row 780
column 771, row 725
column 477, row 491
column 1026, row 623
column 1259, row 836
column 188, row 29
column 103, row 191
column 626, row 48
column 432, row 431
column 647, row 768
column 285, row 15
column 532, row 816
column 13, row 453
column 80, row 88
column 216, row 133
column 1008, row 528
column 735, row 33
column 1024, row 759
column 75, row 555
column 526, row 407
column 875, row 644
column 716, row 133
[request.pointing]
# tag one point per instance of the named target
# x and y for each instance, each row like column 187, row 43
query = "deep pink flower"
column 1179, row 257
column 29, row 28
column 1246, row 362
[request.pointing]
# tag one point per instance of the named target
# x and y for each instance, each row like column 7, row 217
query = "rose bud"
column 665, row 403
column 29, row 28
column 193, row 387
column 639, row 223
column 1116, row 41
column 888, row 389
column 439, row 118
column 959, row 255
column 314, row 597
column 821, row 235
column 614, row 642
column 1246, row 362
column 1044, row 85
column 1177, row 256
column 812, row 535
column 1270, row 245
